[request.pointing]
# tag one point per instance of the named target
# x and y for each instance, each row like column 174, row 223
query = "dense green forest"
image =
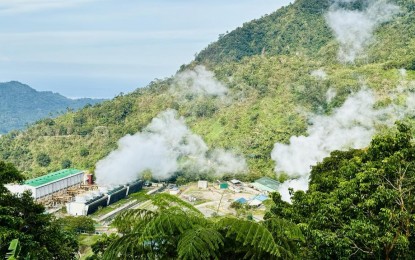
column 20, row 105
column 267, row 66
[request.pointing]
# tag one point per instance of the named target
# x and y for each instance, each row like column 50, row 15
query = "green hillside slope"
column 267, row 66
column 21, row 105
column 301, row 29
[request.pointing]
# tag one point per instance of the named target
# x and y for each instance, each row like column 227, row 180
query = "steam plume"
column 350, row 126
column 199, row 81
column 319, row 74
column 164, row 147
column 353, row 29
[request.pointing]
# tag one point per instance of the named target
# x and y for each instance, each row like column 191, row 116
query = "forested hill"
column 21, row 105
column 300, row 29
column 278, row 70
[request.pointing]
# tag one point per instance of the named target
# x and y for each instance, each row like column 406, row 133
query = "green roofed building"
column 51, row 183
column 266, row 184
column 223, row 185
column 51, row 177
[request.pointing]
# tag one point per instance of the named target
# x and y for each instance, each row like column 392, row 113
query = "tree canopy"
column 40, row 236
column 360, row 203
column 175, row 229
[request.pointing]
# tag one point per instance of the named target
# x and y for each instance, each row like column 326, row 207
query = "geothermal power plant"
column 76, row 189
column 89, row 202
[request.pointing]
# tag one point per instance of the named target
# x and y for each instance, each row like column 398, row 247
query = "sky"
column 100, row 48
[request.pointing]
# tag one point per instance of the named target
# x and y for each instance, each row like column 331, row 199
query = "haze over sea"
column 91, row 48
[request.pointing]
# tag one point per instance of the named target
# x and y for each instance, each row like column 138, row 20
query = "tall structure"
column 49, row 184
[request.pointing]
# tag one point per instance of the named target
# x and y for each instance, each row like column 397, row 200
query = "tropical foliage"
column 78, row 224
column 174, row 229
column 40, row 235
column 360, row 203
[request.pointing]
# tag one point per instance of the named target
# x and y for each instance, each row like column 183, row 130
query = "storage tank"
column 90, row 179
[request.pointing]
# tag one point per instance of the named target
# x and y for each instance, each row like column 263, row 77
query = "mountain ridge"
column 21, row 105
column 271, row 92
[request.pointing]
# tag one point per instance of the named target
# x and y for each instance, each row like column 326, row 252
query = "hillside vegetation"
column 266, row 64
column 21, row 105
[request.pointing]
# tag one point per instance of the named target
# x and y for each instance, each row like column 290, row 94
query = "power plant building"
column 49, row 184
column 90, row 202
column 83, row 208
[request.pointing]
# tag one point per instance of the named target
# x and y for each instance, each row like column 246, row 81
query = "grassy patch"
column 200, row 201
column 108, row 209
column 139, row 196
column 85, row 243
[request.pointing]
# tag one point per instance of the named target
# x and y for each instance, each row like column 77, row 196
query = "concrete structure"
column 202, row 184
column 82, row 208
column 77, row 208
column 236, row 182
column 174, row 191
column 266, row 184
column 49, row 184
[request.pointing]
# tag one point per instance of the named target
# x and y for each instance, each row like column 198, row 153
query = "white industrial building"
column 202, row 184
column 81, row 207
column 91, row 201
column 76, row 208
column 48, row 184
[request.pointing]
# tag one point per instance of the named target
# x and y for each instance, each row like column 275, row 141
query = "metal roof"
column 241, row 200
column 235, row 181
column 260, row 197
column 267, row 183
column 51, row 177
column 115, row 190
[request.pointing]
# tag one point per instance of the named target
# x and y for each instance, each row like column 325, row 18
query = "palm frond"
column 151, row 233
column 168, row 223
column 249, row 233
column 122, row 246
column 133, row 220
column 199, row 243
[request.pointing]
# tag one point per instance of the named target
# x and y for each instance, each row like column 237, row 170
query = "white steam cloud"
column 402, row 72
column 319, row 74
column 165, row 146
column 353, row 29
column 350, row 126
column 330, row 94
column 199, row 81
